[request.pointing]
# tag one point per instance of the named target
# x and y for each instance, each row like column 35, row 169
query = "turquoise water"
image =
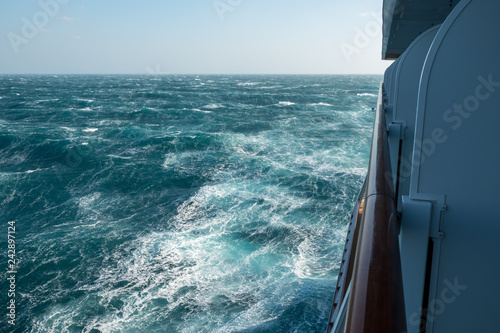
column 179, row 203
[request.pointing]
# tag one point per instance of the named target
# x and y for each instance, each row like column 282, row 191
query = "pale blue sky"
column 191, row 36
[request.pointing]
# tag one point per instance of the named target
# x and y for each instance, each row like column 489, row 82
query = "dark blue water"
column 179, row 203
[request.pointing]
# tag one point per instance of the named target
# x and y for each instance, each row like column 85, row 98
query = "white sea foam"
column 170, row 160
column 86, row 202
column 270, row 87
column 199, row 267
column 93, row 225
column 213, row 106
column 249, row 83
column 286, row 103
column 9, row 174
column 85, row 100
column 310, row 260
column 90, row 130
column 320, row 104
column 110, row 122
column 120, row 157
column 366, row 94
column 204, row 111
column 183, row 270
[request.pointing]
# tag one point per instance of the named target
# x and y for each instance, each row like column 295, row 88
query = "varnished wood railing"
column 376, row 302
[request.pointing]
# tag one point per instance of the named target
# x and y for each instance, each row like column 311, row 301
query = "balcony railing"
column 376, row 300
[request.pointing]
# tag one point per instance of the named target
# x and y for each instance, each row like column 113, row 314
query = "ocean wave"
column 320, row 104
column 170, row 160
column 35, row 170
column 87, row 100
column 8, row 174
column 249, row 83
column 366, row 94
column 120, row 157
column 87, row 201
column 173, row 220
column 39, row 101
column 270, row 87
column 198, row 110
column 308, row 264
column 213, row 106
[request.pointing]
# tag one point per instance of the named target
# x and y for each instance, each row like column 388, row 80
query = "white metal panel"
column 457, row 154
column 407, row 80
column 414, row 240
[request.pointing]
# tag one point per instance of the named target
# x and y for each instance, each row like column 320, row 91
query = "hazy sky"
column 191, row 36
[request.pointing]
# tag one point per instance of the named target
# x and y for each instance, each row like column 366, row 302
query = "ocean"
column 178, row 203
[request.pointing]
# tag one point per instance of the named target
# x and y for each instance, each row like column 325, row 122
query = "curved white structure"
column 441, row 102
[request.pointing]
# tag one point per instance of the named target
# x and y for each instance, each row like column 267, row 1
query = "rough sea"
column 214, row 203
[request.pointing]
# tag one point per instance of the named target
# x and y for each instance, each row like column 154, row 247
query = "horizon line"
column 191, row 74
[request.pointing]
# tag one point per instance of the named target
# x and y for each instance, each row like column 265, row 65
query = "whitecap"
column 118, row 156
column 270, row 87
column 286, row 103
column 87, row 225
column 249, row 83
column 366, row 94
column 320, row 104
column 307, row 263
column 86, row 202
column 90, row 130
column 212, row 106
column 204, row 111
column 170, row 160
column 45, row 100
column 85, row 100
column 178, row 268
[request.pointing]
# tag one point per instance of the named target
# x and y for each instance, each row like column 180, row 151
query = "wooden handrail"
column 376, row 302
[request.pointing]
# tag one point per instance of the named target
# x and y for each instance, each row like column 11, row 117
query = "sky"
column 191, row 37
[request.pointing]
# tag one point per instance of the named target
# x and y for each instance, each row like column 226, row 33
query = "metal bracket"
column 397, row 129
column 438, row 235
column 439, row 207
